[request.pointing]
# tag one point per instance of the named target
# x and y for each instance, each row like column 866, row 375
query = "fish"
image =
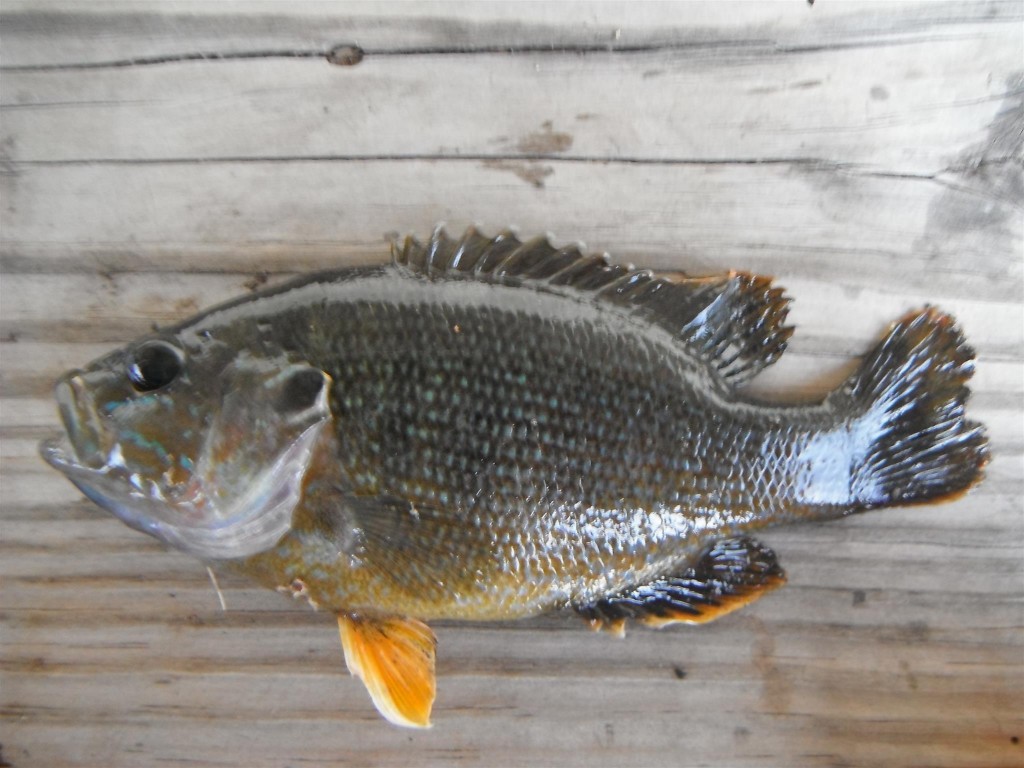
column 491, row 429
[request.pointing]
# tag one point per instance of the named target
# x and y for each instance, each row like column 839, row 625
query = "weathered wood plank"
column 907, row 697
column 71, row 33
column 140, row 183
column 290, row 676
column 941, row 236
column 878, row 109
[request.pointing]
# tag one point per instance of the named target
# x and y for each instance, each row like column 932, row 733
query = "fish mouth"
column 207, row 528
column 108, row 487
column 59, row 453
column 85, row 443
column 206, row 513
column 84, row 455
column 81, row 453
column 211, row 531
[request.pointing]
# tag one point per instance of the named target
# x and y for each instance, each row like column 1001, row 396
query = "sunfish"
column 491, row 429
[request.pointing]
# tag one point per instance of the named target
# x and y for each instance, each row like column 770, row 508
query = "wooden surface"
column 156, row 159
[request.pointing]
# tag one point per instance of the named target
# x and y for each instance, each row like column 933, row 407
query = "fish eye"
column 153, row 365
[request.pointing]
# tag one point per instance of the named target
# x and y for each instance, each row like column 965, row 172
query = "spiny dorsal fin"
column 731, row 574
column 735, row 320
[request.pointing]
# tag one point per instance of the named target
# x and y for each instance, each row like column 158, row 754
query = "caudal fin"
column 911, row 391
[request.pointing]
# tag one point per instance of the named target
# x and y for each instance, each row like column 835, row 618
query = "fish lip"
column 104, row 486
column 85, row 445
column 59, row 452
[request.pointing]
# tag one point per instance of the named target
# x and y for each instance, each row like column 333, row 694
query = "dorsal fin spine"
column 574, row 270
column 734, row 321
column 622, row 288
column 517, row 257
column 558, row 262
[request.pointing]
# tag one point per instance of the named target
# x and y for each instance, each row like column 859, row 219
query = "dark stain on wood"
column 546, row 141
column 531, row 172
column 257, row 281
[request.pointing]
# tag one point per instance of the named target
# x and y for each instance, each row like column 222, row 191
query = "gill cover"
column 255, row 456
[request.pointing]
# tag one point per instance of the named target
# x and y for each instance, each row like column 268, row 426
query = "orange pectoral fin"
column 394, row 657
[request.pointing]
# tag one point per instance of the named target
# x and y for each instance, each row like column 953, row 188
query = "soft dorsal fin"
column 734, row 321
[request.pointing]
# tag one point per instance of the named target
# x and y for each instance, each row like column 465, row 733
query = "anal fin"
column 394, row 657
column 730, row 574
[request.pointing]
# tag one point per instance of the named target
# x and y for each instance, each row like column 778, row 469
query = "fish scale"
column 615, row 417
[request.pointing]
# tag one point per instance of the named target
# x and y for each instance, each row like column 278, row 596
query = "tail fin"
column 911, row 389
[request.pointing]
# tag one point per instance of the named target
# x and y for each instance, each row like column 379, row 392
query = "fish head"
column 194, row 443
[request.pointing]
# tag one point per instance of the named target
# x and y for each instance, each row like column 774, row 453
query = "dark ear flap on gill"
column 301, row 390
column 734, row 321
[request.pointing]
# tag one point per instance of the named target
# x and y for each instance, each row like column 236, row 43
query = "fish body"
column 487, row 429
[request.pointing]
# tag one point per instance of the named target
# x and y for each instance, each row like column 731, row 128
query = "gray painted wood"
column 867, row 155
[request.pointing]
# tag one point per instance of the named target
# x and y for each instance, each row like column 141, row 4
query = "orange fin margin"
column 711, row 612
column 729, row 575
column 394, row 657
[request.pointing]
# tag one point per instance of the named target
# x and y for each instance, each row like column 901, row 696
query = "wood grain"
column 155, row 159
column 403, row 107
